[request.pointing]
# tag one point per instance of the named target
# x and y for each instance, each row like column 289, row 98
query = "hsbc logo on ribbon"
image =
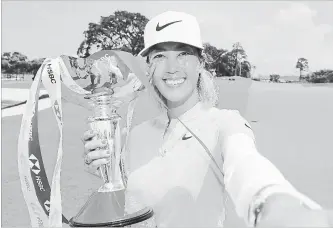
column 57, row 110
column 35, row 168
column 50, row 73
column 47, row 205
column 34, row 164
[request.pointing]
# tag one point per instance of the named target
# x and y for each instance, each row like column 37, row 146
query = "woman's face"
column 175, row 70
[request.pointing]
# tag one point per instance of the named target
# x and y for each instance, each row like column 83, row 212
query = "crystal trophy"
column 111, row 85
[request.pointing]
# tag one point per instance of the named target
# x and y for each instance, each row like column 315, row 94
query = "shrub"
column 321, row 76
column 274, row 77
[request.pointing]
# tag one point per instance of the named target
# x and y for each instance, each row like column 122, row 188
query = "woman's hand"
column 282, row 210
column 95, row 153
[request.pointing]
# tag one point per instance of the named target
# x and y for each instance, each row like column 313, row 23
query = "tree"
column 225, row 64
column 17, row 63
column 17, row 57
column 238, row 57
column 122, row 31
column 216, row 59
column 321, row 76
column 234, row 62
column 14, row 63
column 14, row 57
column 34, row 65
column 274, row 77
column 4, row 65
column 21, row 67
column 245, row 69
column 302, row 64
column 213, row 57
column 211, row 53
column 5, row 55
column 228, row 63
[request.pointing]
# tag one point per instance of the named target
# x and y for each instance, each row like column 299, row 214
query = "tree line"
column 17, row 63
column 124, row 31
column 320, row 76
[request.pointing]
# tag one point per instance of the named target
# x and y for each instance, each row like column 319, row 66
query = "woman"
column 169, row 168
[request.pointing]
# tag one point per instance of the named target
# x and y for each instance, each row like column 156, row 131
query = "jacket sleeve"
column 250, row 177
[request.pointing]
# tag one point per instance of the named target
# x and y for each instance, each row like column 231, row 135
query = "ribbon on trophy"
column 43, row 201
column 34, row 183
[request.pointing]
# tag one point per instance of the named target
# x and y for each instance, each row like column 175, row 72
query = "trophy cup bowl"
column 111, row 85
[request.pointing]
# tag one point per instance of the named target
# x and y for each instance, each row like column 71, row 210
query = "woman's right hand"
column 95, row 153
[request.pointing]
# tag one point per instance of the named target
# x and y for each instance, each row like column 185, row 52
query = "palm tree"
column 302, row 64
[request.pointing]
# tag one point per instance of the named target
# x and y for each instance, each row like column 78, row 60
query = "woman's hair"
column 206, row 86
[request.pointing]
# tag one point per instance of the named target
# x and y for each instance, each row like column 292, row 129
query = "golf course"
column 293, row 124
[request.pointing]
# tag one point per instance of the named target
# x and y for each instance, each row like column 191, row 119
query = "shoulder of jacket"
column 226, row 114
column 143, row 126
column 149, row 125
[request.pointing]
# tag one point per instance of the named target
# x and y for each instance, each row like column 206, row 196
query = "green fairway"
column 292, row 123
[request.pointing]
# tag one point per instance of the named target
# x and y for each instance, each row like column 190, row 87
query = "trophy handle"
column 124, row 168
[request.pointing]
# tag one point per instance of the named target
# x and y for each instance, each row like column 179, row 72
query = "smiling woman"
column 166, row 157
column 179, row 75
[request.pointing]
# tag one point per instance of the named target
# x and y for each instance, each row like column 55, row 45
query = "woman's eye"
column 185, row 53
column 158, row 56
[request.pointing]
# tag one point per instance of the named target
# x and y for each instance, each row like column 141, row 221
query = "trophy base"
column 107, row 209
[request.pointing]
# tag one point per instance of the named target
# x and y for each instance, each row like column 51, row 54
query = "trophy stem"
column 106, row 122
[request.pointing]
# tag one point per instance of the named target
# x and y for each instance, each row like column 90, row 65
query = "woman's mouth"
column 174, row 82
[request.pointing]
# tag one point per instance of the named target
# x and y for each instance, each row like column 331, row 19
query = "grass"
column 7, row 103
column 292, row 123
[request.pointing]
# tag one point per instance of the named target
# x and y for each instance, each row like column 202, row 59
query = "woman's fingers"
column 92, row 168
column 97, row 163
column 96, row 155
column 88, row 135
column 93, row 145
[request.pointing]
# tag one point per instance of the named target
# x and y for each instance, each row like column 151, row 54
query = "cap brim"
column 144, row 51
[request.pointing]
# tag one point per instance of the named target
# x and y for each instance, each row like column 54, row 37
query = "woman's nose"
column 172, row 65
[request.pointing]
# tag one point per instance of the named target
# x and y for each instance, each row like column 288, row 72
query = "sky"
column 274, row 34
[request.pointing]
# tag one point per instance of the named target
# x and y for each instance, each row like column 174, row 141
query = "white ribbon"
column 43, row 202
column 28, row 163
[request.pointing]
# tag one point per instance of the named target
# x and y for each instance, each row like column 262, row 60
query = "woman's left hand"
column 287, row 211
column 300, row 218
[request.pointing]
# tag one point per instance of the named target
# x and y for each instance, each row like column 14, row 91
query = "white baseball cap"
column 172, row 26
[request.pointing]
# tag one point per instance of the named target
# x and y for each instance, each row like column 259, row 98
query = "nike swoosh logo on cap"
column 159, row 28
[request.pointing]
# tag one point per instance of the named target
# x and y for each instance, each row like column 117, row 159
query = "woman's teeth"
column 174, row 82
